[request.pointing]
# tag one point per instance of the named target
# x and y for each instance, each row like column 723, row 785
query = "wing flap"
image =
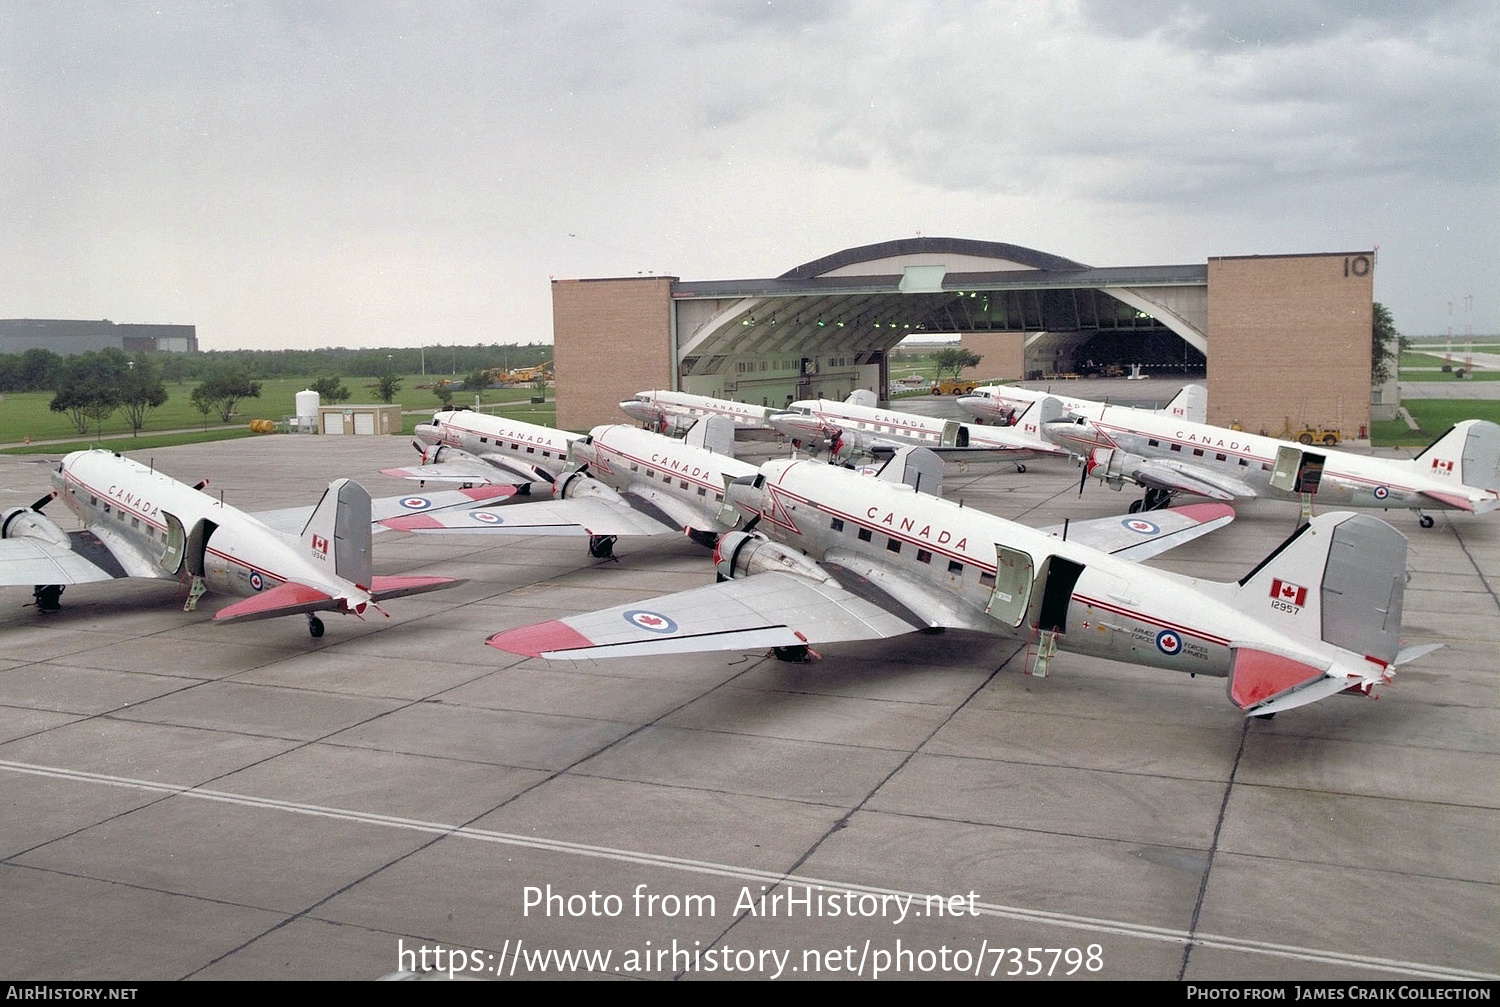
column 1140, row 536
column 766, row 610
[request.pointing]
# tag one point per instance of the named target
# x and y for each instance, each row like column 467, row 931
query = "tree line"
column 40, row 370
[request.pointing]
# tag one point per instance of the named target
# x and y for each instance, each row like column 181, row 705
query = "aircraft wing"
column 1183, row 478
column 1140, row 536
column 771, row 609
column 577, row 516
column 452, row 472
column 86, row 559
column 293, row 519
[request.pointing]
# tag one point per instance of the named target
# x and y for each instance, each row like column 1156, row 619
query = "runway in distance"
column 142, row 523
column 834, row 556
column 1006, row 405
column 1458, row 471
column 616, row 480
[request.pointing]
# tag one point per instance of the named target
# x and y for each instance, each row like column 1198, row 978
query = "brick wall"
column 612, row 338
column 1289, row 341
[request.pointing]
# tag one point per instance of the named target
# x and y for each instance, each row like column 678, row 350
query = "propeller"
column 1083, row 476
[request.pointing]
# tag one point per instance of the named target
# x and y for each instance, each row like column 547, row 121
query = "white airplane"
column 857, row 426
column 617, row 480
column 463, row 446
column 1008, row 405
column 845, row 558
column 142, row 523
column 1458, row 471
column 668, row 412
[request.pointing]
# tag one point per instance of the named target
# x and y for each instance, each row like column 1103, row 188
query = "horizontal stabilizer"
column 1259, row 677
column 284, row 599
column 400, row 587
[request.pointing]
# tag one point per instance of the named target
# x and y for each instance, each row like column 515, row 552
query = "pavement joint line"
column 1121, row 928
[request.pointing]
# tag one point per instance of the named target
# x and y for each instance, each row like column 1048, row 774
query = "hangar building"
column 1284, row 339
column 66, row 337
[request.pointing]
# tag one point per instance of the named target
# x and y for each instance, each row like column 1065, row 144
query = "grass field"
column 26, row 415
column 1434, row 416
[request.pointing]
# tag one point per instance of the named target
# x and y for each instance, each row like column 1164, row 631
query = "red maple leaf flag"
column 1288, row 592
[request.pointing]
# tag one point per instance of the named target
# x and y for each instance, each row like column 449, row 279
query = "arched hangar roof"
column 866, row 299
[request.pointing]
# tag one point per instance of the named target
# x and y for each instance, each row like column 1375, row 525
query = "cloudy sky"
column 315, row 174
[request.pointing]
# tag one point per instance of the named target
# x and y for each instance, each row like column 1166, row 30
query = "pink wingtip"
column 1205, row 512
column 494, row 492
column 412, row 522
column 398, row 473
column 539, row 638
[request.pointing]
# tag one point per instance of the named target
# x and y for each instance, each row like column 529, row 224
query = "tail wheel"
column 315, row 626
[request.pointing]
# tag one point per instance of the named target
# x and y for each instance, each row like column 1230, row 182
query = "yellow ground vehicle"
column 951, row 387
column 1319, row 434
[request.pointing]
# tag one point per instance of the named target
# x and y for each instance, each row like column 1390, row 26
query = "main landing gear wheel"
column 1020, row 466
column 315, row 626
column 602, row 546
column 48, row 597
column 1426, row 521
column 1155, row 499
column 793, row 655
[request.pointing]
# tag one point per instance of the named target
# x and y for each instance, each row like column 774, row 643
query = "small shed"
column 347, row 419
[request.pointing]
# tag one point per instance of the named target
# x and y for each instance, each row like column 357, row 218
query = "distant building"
column 66, row 336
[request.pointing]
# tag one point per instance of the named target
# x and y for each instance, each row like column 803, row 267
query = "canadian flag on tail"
column 1292, row 594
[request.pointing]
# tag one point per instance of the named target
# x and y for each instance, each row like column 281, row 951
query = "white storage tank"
column 307, row 410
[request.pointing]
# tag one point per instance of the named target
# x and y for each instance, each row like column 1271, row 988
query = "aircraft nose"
column 636, row 410
column 427, row 433
column 795, row 425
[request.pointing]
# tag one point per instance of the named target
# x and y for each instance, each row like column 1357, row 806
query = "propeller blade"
column 1083, row 476
column 44, row 501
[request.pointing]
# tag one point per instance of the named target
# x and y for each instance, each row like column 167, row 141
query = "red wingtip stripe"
column 539, row 639
column 412, row 522
column 1205, row 512
column 496, row 492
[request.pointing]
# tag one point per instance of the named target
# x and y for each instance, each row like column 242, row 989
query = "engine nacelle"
column 23, row 522
column 1113, row 466
column 578, row 484
column 740, row 554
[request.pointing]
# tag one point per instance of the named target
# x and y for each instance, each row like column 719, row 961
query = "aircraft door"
column 1296, row 471
column 1011, row 595
column 172, row 549
column 955, row 435
column 197, row 545
column 1058, row 578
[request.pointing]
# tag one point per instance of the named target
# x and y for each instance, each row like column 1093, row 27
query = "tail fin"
column 1191, row 404
column 713, row 433
column 1469, row 450
column 341, row 524
column 862, row 397
column 1339, row 581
